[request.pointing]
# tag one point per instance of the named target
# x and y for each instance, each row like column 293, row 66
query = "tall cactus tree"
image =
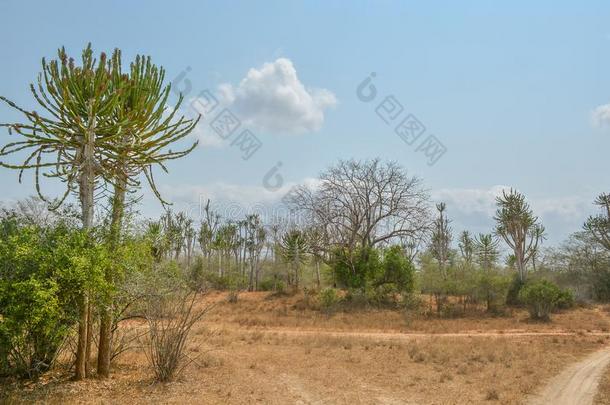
column 69, row 141
column 100, row 127
column 149, row 128
column 598, row 226
column 520, row 229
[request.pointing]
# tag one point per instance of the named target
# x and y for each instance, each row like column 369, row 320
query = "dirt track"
column 577, row 384
column 415, row 335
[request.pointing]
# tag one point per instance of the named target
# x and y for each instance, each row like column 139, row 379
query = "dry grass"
column 256, row 310
column 240, row 363
column 603, row 393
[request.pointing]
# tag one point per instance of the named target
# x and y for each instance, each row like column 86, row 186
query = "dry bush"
column 492, row 395
column 233, row 296
column 170, row 316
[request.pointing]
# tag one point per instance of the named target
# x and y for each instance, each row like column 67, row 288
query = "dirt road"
column 577, row 384
column 414, row 335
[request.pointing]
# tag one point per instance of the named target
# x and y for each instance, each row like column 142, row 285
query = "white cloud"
column 207, row 137
column 223, row 193
column 231, row 201
column 473, row 209
column 601, row 116
column 470, row 200
column 273, row 99
column 270, row 99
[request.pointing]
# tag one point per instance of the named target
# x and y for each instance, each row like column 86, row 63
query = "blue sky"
column 517, row 93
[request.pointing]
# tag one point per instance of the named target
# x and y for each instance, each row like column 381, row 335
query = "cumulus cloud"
column 273, row 99
column 270, row 99
column 601, row 116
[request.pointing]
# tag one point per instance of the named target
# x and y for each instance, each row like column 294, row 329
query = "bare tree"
column 207, row 232
column 254, row 242
column 413, row 244
column 363, row 203
column 316, row 242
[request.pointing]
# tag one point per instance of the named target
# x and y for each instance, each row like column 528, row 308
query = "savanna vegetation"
column 88, row 287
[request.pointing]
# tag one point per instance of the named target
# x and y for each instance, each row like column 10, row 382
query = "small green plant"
column 566, row 299
column 540, row 297
column 328, row 299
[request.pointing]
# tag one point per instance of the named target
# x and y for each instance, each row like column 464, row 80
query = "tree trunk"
column 106, row 320
column 86, row 190
column 251, row 278
column 88, row 366
column 219, row 264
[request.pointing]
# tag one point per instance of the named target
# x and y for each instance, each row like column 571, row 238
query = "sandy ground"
column 291, row 355
column 576, row 385
column 603, row 390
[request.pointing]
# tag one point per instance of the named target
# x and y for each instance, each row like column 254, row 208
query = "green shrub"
column 272, row 284
column 352, row 270
column 267, row 284
column 566, row 299
column 412, row 302
column 197, row 274
column 328, row 299
column 398, row 270
column 512, row 296
column 382, row 295
column 231, row 281
column 43, row 272
column 540, row 297
column 491, row 287
column 356, row 298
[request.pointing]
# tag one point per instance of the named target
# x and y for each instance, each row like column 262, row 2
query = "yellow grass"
column 260, row 350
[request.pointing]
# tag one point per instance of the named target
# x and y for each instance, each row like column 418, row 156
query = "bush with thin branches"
column 170, row 315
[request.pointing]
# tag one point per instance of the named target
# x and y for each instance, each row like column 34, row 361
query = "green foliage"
column 272, row 284
column 520, row 229
column 210, row 279
column 541, row 297
column 294, row 249
column 99, row 106
column 357, row 298
column 398, row 269
column 512, row 297
column 491, row 287
column 328, row 299
column 382, row 295
column 42, row 274
column 601, row 284
column 598, row 226
column 566, row 299
column 352, row 270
